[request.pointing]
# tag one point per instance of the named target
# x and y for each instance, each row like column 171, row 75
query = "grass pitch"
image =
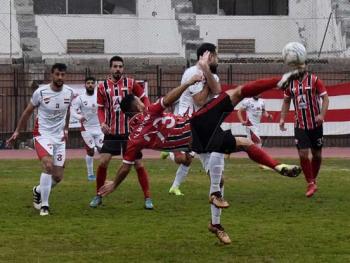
column 269, row 220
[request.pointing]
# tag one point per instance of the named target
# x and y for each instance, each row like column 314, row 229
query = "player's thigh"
column 88, row 139
column 59, row 154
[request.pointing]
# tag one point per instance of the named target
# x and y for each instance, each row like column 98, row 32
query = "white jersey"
column 52, row 110
column 86, row 106
column 254, row 109
column 186, row 103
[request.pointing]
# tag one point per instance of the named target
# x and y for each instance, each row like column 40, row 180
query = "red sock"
column 316, row 164
column 306, row 166
column 256, row 87
column 258, row 155
column 143, row 180
column 101, row 177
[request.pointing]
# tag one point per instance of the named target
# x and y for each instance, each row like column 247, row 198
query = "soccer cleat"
column 164, row 155
column 175, row 191
column 148, row 204
column 217, row 200
column 286, row 78
column 288, row 170
column 96, row 201
column 219, row 231
column 44, row 211
column 311, row 189
column 91, row 177
column 36, row 199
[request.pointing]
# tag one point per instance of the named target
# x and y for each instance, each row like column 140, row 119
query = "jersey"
column 254, row 109
column 109, row 96
column 154, row 129
column 52, row 110
column 306, row 96
column 186, row 103
column 86, row 106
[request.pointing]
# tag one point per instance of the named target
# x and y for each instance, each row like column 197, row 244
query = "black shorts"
column 207, row 135
column 116, row 145
column 309, row 139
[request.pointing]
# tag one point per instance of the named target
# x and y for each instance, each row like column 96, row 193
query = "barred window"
column 50, row 7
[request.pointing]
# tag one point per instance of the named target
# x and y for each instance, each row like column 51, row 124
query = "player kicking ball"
column 50, row 133
column 84, row 108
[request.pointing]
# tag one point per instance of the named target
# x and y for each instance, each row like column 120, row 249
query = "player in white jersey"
column 84, row 108
column 50, row 132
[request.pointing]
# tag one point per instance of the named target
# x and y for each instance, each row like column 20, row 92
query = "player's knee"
column 243, row 143
column 90, row 152
column 304, row 154
column 138, row 164
column 48, row 166
column 104, row 162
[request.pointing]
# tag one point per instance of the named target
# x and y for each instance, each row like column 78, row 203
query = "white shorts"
column 93, row 139
column 253, row 134
column 46, row 146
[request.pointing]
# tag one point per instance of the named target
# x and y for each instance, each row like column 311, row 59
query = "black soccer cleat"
column 36, row 199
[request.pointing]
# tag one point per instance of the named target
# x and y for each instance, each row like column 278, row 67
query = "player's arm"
column 110, row 186
column 101, row 111
column 66, row 125
column 76, row 110
column 22, row 121
column 240, row 115
column 321, row 90
column 284, row 112
column 173, row 95
column 266, row 114
column 213, row 85
column 201, row 97
column 138, row 91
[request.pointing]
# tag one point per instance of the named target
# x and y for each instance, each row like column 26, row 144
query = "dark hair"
column 59, row 66
column 205, row 47
column 125, row 104
column 115, row 58
column 90, row 78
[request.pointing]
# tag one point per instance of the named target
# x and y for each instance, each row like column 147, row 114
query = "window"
column 241, row 7
column 85, row 6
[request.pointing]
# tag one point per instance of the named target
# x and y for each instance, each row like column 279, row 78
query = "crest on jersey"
column 116, row 103
column 302, row 101
column 46, row 100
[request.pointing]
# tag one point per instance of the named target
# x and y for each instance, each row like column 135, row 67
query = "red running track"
column 333, row 152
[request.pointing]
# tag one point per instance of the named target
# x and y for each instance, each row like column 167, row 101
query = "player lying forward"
column 151, row 128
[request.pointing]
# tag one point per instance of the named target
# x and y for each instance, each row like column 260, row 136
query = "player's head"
column 116, row 65
column 90, row 84
column 131, row 105
column 58, row 73
column 213, row 62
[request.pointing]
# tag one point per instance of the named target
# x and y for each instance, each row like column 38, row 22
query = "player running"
column 50, row 133
column 84, row 108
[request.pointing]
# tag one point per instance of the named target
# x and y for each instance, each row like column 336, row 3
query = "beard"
column 213, row 68
column 90, row 92
column 58, row 83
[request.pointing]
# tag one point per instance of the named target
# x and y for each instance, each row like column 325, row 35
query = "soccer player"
column 306, row 90
column 154, row 129
column 114, row 125
column 84, row 108
column 50, row 133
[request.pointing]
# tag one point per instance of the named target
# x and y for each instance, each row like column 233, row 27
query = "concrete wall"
column 152, row 32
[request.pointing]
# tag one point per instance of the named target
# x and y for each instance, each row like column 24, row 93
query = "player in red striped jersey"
column 114, row 125
column 306, row 90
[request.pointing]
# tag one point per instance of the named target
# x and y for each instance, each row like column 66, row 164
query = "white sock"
column 45, row 188
column 216, row 167
column 172, row 156
column 89, row 164
column 216, row 212
column 181, row 174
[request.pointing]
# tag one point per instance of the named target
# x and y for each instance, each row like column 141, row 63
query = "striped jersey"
column 306, row 96
column 155, row 129
column 109, row 96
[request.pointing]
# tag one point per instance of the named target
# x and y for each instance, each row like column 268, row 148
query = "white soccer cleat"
column 44, row 211
column 36, row 199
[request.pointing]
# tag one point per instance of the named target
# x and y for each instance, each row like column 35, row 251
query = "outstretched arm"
column 284, row 112
column 240, row 116
column 110, row 186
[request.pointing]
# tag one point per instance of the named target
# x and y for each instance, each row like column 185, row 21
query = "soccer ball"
column 294, row 54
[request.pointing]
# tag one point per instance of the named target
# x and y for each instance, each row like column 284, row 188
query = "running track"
column 333, row 152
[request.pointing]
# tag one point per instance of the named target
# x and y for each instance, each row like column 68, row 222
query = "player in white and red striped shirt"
column 306, row 91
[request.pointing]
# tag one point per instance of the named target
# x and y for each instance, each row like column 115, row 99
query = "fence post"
column 15, row 93
column 159, row 81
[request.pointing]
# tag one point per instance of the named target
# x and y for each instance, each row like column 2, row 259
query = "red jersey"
column 306, row 99
column 154, row 129
column 109, row 96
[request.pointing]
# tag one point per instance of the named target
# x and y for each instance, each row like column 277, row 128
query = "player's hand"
column 282, row 128
column 270, row 117
column 107, row 188
column 105, row 128
column 203, row 62
column 83, row 119
column 319, row 119
column 65, row 135
column 11, row 140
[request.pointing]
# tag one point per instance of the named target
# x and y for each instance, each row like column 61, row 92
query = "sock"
column 181, row 174
column 256, row 87
column 216, row 166
column 101, row 177
column 172, row 156
column 316, row 164
column 45, row 188
column 143, row 180
column 306, row 166
column 89, row 164
column 258, row 155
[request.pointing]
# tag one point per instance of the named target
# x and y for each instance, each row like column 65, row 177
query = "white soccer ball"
column 294, row 54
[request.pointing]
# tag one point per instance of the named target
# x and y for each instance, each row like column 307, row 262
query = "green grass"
column 269, row 220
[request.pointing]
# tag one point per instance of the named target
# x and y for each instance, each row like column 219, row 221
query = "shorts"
column 46, row 146
column 309, row 139
column 116, row 145
column 207, row 135
column 92, row 139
